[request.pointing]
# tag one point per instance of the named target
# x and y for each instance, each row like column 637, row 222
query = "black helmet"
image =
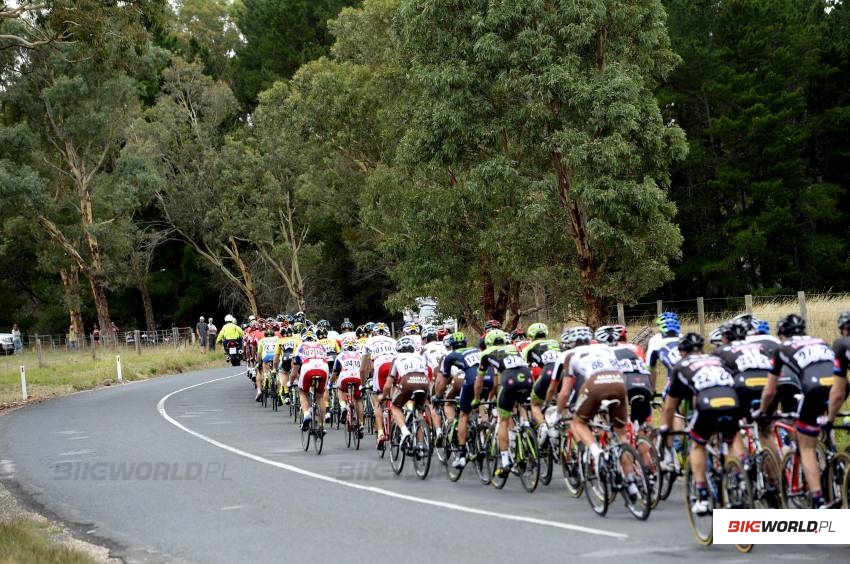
column 321, row 332
column 735, row 330
column 690, row 342
column 347, row 325
column 844, row 319
column 791, row 325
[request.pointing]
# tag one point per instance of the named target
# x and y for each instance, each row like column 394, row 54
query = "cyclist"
column 347, row 330
column 346, row 371
column 332, row 349
column 513, row 378
column 704, row 378
column 308, row 364
column 749, row 363
column 715, row 337
column 594, row 372
column 266, row 354
column 541, row 354
column 759, row 332
column 286, row 346
column 571, row 339
column 638, row 384
column 376, row 356
column 664, row 350
column 412, row 330
column 434, row 351
column 408, row 373
column 841, row 348
column 812, row 361
column 520, row 339
column 460, row 364
column 361, row 335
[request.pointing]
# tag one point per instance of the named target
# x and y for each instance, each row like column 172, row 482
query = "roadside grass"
column 24, row 541
column 65, row 372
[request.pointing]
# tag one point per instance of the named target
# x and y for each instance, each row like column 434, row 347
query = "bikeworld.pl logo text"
column 103, row 471
column 780, row 526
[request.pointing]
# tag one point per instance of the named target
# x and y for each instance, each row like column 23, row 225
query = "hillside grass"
column 63, row 372
column 25, row 541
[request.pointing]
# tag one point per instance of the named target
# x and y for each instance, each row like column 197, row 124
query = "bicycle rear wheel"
column 422, row 449
column 444, row 450
column 701, row 525
column 498, row 482
column 547, row 462
column 528, row 459
column 640, row 505
column 767, row 483
column 737, row 490
column 318, row 434
column 481, row 461
column 649, row 456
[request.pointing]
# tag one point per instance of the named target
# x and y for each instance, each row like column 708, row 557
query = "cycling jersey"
column 381, row 350
column 434, row 353
column 347, row 367
column 464, row 362
column 749, row 364
column 813, row 362
column 638, row 382
column 841, row 348
column 500, row 358
column 314, row 365
column 266, row 348
column 541, row 355
column 716, row 406
column 408, row 373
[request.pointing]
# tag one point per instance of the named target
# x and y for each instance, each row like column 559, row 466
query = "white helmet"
column 251, row 318
column 202, row 318
column 229, row 319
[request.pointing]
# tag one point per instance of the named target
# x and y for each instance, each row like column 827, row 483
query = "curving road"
column 189, row 468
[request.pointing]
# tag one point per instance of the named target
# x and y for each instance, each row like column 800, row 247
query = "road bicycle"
column 607, row 476
column 315, row 432
column 524, row 451
column 270, row 395
column 417, row 445
column 368, row 408
column 353, row 431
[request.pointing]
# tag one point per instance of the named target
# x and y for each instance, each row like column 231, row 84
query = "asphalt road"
column 190, row 468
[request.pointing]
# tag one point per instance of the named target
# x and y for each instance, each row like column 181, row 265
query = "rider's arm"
column 836, row 396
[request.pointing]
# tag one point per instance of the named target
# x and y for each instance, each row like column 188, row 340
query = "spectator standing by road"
column 95, row 335
column 72, row 338
column 212, row 332
column 16, row 338
column 114, row 330
column 201, row 331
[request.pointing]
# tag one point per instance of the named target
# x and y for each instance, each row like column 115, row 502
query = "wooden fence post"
column 39, row 351
column 701, row 315
column 748, row 303
column 137, row 339
column 621, row 314
column 801, row 297
column 658, row 307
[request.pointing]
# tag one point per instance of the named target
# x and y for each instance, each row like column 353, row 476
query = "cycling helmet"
column 299, row 317
column 286, row 331
column 491, row 324
column 308, row 335
column 324, row 323
column 410, row 329
column 791, row 325
column 321, row 332
column 381, row 329
column 251, row 318
column 622, row 332
column 495, row 338
column 369, row 328
column 405, row 345
column 517, row 335
column 538, row 331
column 269, row 332
column 229, row 319
column 716, row 336
column 447, row 341
column 280, row 318
column 760, row 327
column 457, row 340
column 668, row 324
column 442, row 333
column 429, row 334
column 844, row 320
column 359, row 331
column 735, row 330
column 577, row 336
column 346, row 325
column 349, row 345
column 298, row 327
column 691, row 342
column 606, row 334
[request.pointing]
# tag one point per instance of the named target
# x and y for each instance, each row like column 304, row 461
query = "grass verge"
column 25, row 541
column 65, row 372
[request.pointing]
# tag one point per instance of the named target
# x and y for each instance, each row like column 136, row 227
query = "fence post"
column 658, row 307
column 801, row 297
column 748, row 303
column 621, row 314
column 701, row 315
column 118, row 367
column 392, row 329
column 24, row 382
column 39, row 351
column 137, row 338
column 175, row 334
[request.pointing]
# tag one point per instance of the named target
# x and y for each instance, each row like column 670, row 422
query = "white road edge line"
column 160, row 406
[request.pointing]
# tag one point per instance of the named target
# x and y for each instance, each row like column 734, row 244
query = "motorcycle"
column 233, row 351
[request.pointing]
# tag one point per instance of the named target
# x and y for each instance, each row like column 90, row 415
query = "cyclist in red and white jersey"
column 310, row 363
column 376, row 356
column 346, row 371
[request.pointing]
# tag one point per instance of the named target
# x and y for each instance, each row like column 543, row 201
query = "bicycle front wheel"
column 397, row 453
column 795, row 494
column 835, row 478
column 422, row 450
column 767, row 482
column 596, row 484
column 649, row 456
column 737, row 489
column 482, row 457
column 547, row 462
column 571, row 466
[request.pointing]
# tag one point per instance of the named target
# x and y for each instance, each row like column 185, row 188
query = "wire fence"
column 122, row 340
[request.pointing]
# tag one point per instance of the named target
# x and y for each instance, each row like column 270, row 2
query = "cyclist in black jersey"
column 541, row 355
column 463, row 362
column 813, row 362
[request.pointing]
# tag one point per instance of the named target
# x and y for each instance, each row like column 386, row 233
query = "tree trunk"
column 513, row 313
column 71, row 282
column 150, row 322
column 98, row 292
